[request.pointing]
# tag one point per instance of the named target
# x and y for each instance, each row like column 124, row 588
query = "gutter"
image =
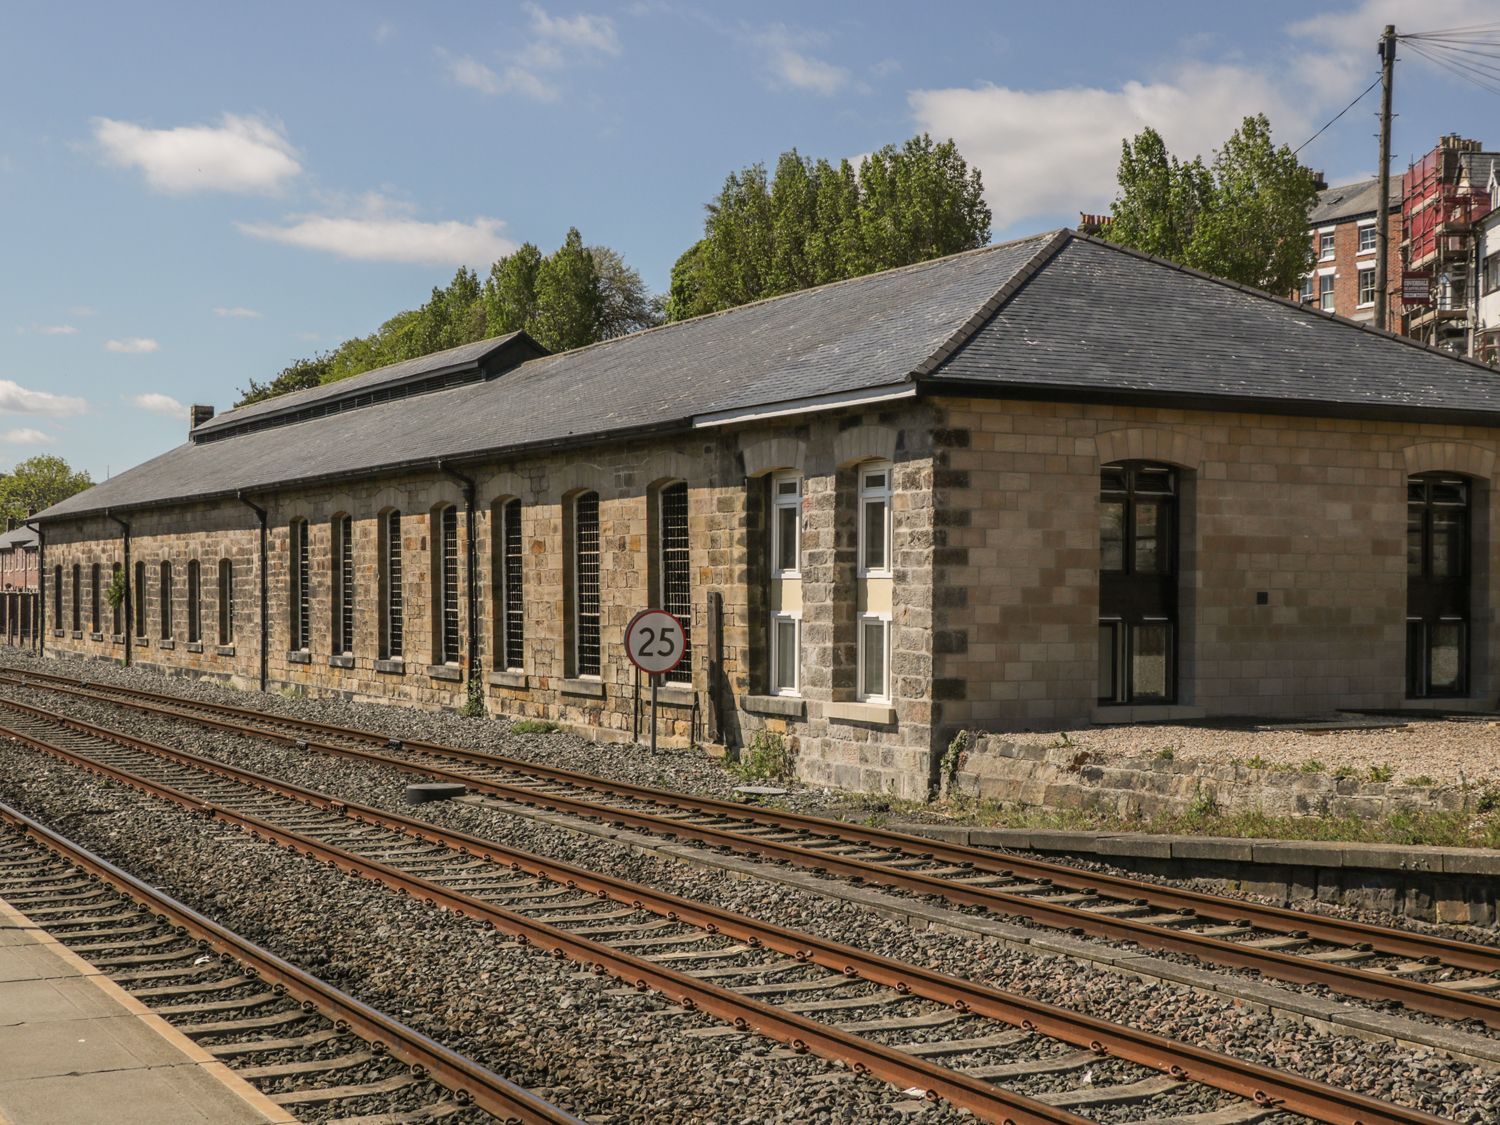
column 40, row 624
column 265, row 597
column 474, row 686
column 126, row 606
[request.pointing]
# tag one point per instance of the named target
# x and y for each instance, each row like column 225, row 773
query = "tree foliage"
column 816, row 222
column 575, row 296
column 38, row 483
column 1242, row 217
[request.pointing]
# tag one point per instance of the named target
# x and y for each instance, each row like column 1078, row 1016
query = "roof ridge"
column 1381, row 333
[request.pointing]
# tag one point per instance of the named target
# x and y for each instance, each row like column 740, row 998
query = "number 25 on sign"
column 653, row 641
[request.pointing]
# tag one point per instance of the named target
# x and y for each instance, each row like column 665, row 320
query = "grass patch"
column 534, row 726
column 1312, row 765
column 767, row 758
column 1381, row 771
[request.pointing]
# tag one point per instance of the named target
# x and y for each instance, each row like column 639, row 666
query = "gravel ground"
column 1459, row 1092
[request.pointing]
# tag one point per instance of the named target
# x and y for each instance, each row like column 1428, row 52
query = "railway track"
column 1441, row 977
column 314, row 1050
column 878, row 1015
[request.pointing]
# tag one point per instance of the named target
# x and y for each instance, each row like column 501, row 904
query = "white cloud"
column 26, row 435
column 513, row 79
column 244, row 154
column 789, row 64
column 238, row 311
column 555, row 43
column 381, row 232
column 16, row 399
column 158, row 403
column 83, row 310
column 54, row 330
column 1045, row 152
column 581, row 32
column 131, row 345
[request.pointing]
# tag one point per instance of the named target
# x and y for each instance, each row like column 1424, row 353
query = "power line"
column 1484, row 79
column 1336, row 116
column 1482, row 28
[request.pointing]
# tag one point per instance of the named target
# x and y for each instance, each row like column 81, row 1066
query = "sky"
column 194, row 195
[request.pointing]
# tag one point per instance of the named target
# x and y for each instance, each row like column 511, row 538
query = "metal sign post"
column 654, row 643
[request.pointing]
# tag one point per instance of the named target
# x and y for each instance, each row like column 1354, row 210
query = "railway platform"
column 76, row 1049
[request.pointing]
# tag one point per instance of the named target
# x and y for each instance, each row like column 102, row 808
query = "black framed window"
column 298, row 570
column 140, row 599
column 226, row 602
column 95, row 613
column 1438, row 569
column 586, row 638
column 194, row 602
column 166, row 601
column 343, row 585
column 1138, row 513
column 77, row 598
column 57, row 597
column 676, row 573
column 510, row 604
column 445, row 533
column 392, row 590
column 115, row 609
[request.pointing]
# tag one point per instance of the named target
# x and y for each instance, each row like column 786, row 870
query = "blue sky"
column 193, row 195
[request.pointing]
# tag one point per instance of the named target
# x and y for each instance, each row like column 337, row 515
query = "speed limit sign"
column 654, row 641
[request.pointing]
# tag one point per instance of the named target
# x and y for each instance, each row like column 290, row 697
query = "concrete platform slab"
column 77, row 1049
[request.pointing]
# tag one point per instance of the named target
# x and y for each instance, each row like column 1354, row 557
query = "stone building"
column 1041, row 483
column 1343, row 228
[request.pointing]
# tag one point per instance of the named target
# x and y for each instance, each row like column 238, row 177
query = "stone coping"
column 509, row 679
column 592, row 689
column 878, row 714
column 786, row 706
column 1146, row 845
column 450, row 672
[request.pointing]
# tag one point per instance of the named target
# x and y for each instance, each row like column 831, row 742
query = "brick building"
column 1039, row 483
column 1343, row 228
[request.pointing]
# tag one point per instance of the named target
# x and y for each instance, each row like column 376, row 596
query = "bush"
column 767, row 758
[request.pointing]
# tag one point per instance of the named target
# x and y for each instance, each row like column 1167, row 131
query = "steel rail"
column 1263, row 1085
column 470, row 1082
column 1381, row 939
column 1418, row 995
column 986, row 1100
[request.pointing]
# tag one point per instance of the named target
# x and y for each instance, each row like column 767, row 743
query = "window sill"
column 223, row 650
column 117, row 638
column 57, row 632
column 875, row 574
column 450, row 672
column 167, row 644
column 509, row 680
column 878, row 714
column 786, row 706
column 592, row 689
column 77, row 634
column 391, row 667
column 299, row 658
column 195, row 646
column 1365, row 305
column 672, row 695
column 341, row 662
column 142, row 642
column 96, row 636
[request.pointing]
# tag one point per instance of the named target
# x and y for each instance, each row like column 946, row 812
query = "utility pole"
column 1387, row 50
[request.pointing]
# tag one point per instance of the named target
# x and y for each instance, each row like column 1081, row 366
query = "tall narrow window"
column 786, row 525
column 510, row 605
column 1437, row 585
column 392, row 591
column 166, row 601
column 676, row 573
column 446, row 534
column 785, row 653
column 77, row 598
column 299, row 597
column 586, row 584
column 343, row 586
column 140, row 600
column 226, row 602
column 1137, row 583
column 57, row 597
column 194, row 603
column 875, row 520
column 874, row 657
column 95, row 613
column 117, row 607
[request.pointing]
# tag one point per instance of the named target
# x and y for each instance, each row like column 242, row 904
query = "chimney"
column 198, row 413
column 1092, row 224
column 1320, row 181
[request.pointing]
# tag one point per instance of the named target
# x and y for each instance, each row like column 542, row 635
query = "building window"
column 1307, row 290
column 1366, row 287
column 1437, row 585
column 77, row 598
column 1137, row 583
column 226, row 602
column 1325, row 245
column 786, row 525
column 676, row 573
column 875, row 520
column 57, row 597
column 510, row 605
column 445, row 540
column 166, row 601
column 194, row 603
column 1325, row 292
column 586, row 584
column 392, row 591
column 96, row 615
column 1490, row 277
column 874, row 657
column 300, row 598
column 140, row 600
column 117, row 607
column 1367, row 239
column 785, row 653
column 343, row 585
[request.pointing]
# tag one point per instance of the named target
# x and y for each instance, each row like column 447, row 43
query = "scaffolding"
column 1440, row 207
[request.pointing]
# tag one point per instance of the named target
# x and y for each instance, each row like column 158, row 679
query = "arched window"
column 585, row 585
column 675, row 569
column 392, row 590
column 299, row 595
column 95, row 613
column 166, row 600
column 77, row 598
column 343, row 585
column 1137, row 583
column 226, row 602
column 509, row 591
column 140, row 600
column 1438, row 569
column 194, row 603
column 116, row 609
column 57, row 597
column 785, row 580
column 445, row 566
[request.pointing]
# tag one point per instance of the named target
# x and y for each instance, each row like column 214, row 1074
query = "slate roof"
column 1478, row 166
column 1350, row 201
column 1057, row 316
column 18, row 537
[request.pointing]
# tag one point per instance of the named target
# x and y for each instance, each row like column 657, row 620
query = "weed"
column 1166, row 753
column 953, row 758
column 1204, row 806
column 767, row 758
column 1422, row 780
column 473, row 707
column 1381, row 772
column 1257, row 763
column 1344, row 773
column 534, row 726
column 1312, row 765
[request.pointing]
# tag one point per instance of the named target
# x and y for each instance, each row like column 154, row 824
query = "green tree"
column 510, row 291
column 815, row 223
column 37, row 483
column 1244, row 217
column 625, row 304
column 568, row 298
